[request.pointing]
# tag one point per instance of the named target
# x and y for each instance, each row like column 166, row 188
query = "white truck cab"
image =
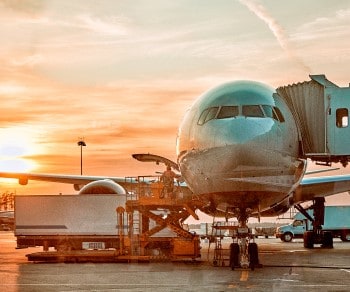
column 294, row 230
column 336, row 220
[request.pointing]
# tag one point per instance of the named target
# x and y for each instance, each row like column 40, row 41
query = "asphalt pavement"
column 286, row 267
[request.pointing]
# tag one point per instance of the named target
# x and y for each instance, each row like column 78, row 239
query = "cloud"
column 277, row 30
column 334, row 26
column 11, row 89
column 28, row 60
column 112, row 26
column 27, row 7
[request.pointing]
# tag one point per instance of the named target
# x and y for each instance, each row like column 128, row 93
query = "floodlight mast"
column 82, row 144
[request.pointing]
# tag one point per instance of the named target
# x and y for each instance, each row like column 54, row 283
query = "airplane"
column 239, row 151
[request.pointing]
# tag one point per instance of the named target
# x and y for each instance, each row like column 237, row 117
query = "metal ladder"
column 221, row 255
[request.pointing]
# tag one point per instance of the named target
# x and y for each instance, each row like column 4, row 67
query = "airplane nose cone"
column 242, row 130
column 238, row 144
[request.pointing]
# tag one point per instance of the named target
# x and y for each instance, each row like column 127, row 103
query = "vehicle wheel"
column 308, row 239
column 287, row 237
column 345, row 236
column 253, row 255
column 234, row 255
column 327, row 239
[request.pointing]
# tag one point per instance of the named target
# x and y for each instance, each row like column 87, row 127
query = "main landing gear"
column 243, row 251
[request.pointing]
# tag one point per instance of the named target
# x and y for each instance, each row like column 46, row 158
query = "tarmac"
column 286, row 267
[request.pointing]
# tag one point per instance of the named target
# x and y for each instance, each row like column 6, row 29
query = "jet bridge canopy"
column 321, row 110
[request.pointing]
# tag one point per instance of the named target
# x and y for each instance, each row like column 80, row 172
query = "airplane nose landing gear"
column 244, row 256
column 243, row 251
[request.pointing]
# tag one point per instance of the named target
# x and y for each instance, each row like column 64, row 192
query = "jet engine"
column 105, row 186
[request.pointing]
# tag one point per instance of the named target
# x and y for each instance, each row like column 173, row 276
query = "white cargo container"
column 69, row 222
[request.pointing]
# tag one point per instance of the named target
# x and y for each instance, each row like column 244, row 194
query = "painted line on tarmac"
column 244, row 276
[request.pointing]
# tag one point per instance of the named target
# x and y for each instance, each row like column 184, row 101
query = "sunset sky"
column 121, row 74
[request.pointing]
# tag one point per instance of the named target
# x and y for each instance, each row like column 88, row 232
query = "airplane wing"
column 79, row 180
column 315, row 187
column 320, row 170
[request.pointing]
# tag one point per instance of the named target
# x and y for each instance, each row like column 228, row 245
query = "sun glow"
column 17, row 165
column 16, row 145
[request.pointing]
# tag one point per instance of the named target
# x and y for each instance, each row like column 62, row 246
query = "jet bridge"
column 321, row 111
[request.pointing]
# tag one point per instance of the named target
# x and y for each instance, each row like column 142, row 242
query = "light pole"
column 81, row 143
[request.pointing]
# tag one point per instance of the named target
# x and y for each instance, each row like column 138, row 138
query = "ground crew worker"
column 167, row 178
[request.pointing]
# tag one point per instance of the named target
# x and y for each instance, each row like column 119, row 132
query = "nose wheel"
column 244, row 254
column 243, row 251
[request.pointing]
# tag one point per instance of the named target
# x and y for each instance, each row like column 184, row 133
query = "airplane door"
column 338, row 128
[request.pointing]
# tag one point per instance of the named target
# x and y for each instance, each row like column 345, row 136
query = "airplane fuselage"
column 238, row 147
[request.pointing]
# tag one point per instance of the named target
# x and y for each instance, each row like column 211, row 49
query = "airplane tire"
column 308, row 239
column 327, row 239
column 253, row 255
column 234, row 255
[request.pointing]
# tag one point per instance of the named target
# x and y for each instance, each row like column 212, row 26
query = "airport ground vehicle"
column 336, row 221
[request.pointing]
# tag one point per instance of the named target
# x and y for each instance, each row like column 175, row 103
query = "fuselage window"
column 228, row 112
column 252, row 111
column 342, row 117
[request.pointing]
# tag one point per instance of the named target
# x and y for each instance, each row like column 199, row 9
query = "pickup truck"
column 336, row 220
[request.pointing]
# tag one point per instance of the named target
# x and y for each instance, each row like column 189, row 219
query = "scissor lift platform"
column 155, row 213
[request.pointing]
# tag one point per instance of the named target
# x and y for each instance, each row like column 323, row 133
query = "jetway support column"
column 317, row 235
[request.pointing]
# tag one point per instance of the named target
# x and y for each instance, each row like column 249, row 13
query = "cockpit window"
column 203, row 116
column 269, row 112
column 207, row 115
column 211, row 114
column 279, row 114
column 273, row 112
column 228, row 112
column 252, row 111
column 232, row 111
